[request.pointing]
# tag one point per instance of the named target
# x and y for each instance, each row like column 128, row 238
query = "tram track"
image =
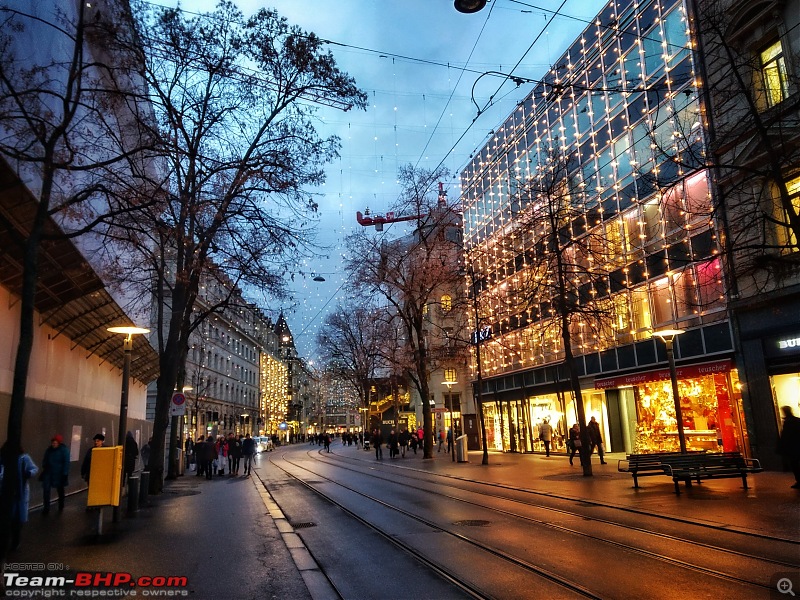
column 447, row 480
column 536, row 522
column 426, row 559
column 593, row 502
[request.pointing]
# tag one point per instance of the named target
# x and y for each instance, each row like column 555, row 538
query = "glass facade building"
column 621, row 109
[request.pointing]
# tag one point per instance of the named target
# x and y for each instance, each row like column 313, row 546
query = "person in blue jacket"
column 55, row 472
column 26, row 469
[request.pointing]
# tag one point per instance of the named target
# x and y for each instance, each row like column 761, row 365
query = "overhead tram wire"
column 448, row 65
column 506, row 77
column 461, row 74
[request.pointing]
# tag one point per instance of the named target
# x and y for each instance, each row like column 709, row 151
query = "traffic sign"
column 178, row 405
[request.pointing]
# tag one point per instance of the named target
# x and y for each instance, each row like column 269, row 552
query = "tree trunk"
column 30, row 277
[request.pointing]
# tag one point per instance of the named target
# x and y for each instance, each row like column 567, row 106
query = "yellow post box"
column 105, row 477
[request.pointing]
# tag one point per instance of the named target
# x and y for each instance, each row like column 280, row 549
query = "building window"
column 450, row 375
column 788, row 239
column 447, row 303
column 773, row 73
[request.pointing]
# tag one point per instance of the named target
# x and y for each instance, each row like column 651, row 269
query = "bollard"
column 133, row 494
column 144, row 487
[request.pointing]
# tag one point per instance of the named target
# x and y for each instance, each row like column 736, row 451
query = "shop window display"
column 708, row 415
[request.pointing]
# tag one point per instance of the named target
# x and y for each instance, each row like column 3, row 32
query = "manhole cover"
column 303, row 525
column 472, row 523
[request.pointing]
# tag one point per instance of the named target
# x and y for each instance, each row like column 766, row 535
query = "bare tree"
column 564, row 289
column 65, row 124
column 408, row 271
column 350, row 343
column 233, row 103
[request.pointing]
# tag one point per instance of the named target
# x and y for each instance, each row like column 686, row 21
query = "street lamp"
column 469, row 6
column 668, row 336
column 450, row 385
column 127, row 346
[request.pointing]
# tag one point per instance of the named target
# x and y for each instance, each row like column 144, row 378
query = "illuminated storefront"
column 710, row 406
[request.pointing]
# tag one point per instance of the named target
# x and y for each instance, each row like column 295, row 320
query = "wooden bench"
column 696, row 467
column 689, row 466
column 645, row 465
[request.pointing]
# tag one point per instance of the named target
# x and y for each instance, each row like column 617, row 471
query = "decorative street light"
column 668, row 336
column 450, row 385
column 127, row 346
column 469, row 6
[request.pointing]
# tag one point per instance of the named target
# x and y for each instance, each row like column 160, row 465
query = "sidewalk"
column 217, row 534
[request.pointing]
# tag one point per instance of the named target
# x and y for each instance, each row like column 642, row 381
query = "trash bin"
column 461, row 449
column 133, row 493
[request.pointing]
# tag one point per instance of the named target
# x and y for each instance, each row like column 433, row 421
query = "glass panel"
column 709, row 282
column 640, row 313
column 674, row 32
column 653, row 53
column 633, row 68
column 661, row 301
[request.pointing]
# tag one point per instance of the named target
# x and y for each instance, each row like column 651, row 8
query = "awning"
column 70, row 297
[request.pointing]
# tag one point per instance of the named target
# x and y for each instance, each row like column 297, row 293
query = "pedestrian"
column 145, row 454
column 441, row 440
column 394, row 444
column 222, row 454
column 234, row 454
column 210, row 450
column 86, row 465
column 199, row 449
column 414, row 442
column 188, row 448
column 596, row 440
column 26, row 469
column 131, row 454
column 574, row 442
column 248, row 451
column 377, row 440
column 404, row 437
column 789, row 443
column 55, row 472
column 546, row 434
column 449, row 439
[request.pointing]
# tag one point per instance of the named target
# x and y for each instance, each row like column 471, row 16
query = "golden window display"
column 704, row 400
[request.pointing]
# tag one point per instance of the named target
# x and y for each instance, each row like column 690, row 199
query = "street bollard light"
column 668, row 336
column 127, row 346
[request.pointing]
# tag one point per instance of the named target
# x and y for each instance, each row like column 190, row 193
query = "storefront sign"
column 782, row 346
column 720, row 366
column 790, row 343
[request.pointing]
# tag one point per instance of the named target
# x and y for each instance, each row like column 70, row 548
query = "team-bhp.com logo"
column 91, row 584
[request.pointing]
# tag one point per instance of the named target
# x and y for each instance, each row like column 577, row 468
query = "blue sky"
column 419, row 61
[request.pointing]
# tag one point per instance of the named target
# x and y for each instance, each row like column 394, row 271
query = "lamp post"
column 127, row 347
column 476, row 338
column 668, row 337
column 450, row 385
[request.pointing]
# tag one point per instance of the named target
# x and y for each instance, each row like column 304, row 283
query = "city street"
column 346, row 525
